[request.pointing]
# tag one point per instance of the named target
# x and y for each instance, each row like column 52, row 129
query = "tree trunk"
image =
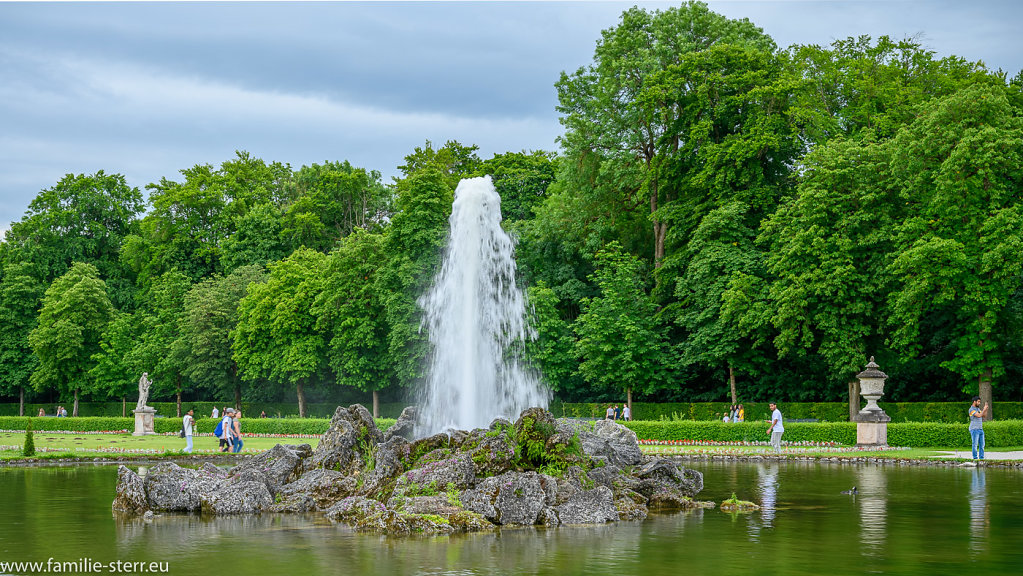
column 179, row 397
column 238, row 396
column 376, row 404
column 124, row 406
column 984, row 386
column 21, row 401
column 74, row 411
column 731, row 383
column 854, row 399
column 301, row 401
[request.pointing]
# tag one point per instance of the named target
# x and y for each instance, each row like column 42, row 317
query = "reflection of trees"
column 980, row 520
column 872, row 485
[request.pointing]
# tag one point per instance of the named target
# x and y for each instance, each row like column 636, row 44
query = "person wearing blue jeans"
column 977, row 427
column 237, row 435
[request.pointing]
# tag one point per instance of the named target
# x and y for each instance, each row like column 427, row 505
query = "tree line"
column 725, row 219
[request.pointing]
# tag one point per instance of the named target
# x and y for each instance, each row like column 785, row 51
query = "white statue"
column 144, row 385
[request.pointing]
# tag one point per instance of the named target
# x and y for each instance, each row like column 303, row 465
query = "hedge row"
column 949, row 412
column 202, row 409
column 161, row 425
column 999, row 433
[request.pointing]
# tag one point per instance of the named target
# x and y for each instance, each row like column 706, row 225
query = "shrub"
column 29, row 448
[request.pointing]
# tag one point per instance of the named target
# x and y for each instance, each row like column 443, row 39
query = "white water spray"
column 476, row 318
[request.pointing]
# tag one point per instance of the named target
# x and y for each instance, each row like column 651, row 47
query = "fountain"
column 476, row 321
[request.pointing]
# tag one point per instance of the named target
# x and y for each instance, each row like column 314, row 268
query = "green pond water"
column 905, row 520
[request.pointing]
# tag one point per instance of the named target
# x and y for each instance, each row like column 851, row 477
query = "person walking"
column 215, row 414
column 977, row 427
column 740, row 414
column 237, row 439
column 610, row 414
column 186, row 426
column 226, row 430
column 627, row 413
column 777, row 427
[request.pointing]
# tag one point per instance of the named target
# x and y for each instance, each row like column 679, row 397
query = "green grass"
column 85, row 443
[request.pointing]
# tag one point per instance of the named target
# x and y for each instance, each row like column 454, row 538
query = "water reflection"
column 979, row 513
column 767, row 488
column 872, row 484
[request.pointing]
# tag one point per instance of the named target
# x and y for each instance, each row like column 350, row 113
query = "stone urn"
column 872, row 422
column 871, row 387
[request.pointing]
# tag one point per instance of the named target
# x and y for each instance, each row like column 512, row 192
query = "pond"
column 904, row 520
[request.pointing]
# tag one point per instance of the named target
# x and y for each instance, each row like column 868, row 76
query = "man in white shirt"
column 186, row 424
column 215, row 414
column 777, row 428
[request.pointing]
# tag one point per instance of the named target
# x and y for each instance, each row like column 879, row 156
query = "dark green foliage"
column 29, row 448
column 535, row 451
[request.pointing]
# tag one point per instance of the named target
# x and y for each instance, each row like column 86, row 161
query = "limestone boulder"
column 278, row 465
column 511, row 498
column 323, row 487
column 665, row 485
column 389, row 461
column 594, row 506
column 130, row 493
column 348, row 443
column 455, row 470
column 248, row 497
column 170, row 487
column 405, row 426
column 492, row 451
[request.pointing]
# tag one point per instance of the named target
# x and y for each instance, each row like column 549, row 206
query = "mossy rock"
column 733, row 504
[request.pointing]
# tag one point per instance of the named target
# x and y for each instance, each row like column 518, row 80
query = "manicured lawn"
column 91, row 444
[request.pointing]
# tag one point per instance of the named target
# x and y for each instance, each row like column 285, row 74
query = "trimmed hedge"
column 998, row 433
column 161, row 425
column 949, row 412
column 170, row 409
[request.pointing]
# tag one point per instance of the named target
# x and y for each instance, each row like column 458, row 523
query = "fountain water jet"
column 476, row 321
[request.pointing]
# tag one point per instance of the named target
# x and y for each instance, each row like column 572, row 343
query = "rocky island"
column 536, row 471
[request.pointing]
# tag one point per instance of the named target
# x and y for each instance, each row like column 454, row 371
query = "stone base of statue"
column 872, row 428
column 144, row 425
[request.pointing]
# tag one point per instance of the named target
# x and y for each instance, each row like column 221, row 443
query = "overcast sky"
column 148, row 89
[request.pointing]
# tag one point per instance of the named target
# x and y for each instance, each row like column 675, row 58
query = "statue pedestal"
column 144, row 421
column 872, row 428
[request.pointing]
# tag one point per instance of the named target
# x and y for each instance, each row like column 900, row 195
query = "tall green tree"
column 210, row 315
column 859, row 84
column 827, row 251
column 412, row 249
column 83, row 218
column 722, row 246
column 627, row 108
column 350, row 312
column 521, row 179
column 620, row 344
column 74, row 314
column 333, row 200
column 20, row 293
column 276, row 336
column 116, row 366
column 552, row 351
column 960, row 251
